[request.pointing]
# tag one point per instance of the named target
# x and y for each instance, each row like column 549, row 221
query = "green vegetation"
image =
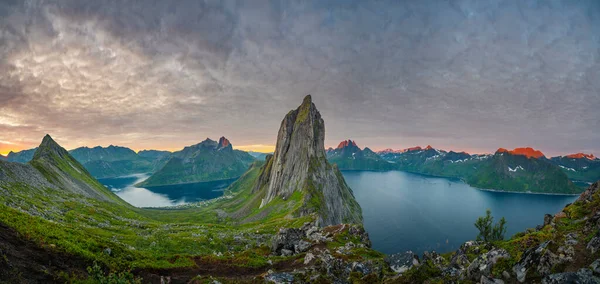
column 200, row 163
column 489, row 232
column 506, row 172
column 579, row 169
column 352, row 158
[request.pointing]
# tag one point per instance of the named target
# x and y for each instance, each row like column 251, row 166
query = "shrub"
column 487, row 230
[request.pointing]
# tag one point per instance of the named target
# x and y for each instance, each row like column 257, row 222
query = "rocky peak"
column 581, row 156
column 416, row 148
column 347, row 143
column 528, row 152
column 224, row 143
column 299, row 164
column 49, row 148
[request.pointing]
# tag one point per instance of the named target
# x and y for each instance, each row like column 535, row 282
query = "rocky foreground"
column 565, row 249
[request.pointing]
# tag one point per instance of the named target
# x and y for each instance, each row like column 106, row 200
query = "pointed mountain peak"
column 49, row 147
column 48, row 141
column 428, row 147
column 299, row 164
column 224, row 143
column 307, row 100
column 347, row 143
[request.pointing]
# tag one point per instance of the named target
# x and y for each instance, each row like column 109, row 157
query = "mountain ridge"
column 208, row 160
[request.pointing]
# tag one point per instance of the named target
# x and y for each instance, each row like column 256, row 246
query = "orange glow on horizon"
column 256, row 148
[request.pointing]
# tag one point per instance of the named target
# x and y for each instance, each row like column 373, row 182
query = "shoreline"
column 465, row 182
column 518, row 192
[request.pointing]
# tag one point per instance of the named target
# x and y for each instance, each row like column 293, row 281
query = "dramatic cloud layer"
column 466, row 75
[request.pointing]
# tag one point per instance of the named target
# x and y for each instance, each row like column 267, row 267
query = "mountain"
column 518, row 170
column 579, row 167
column 521, row 170
column 113, row 161
column 54, row 168
column 299, row 170
column 153, row 154
column 258, row 155
column 348, row 156
column 21, row 156
column 391, row 154
column 207, row 161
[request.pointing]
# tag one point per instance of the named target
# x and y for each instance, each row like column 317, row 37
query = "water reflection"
column 162, row 196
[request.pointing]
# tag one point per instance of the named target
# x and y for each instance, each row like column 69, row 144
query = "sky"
column 459, row 75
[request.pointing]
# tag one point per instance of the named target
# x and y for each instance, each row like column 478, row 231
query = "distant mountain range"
column 207, row 161
column 113, row 161
column 258, row 155
column 21, row 156
column 579, row 167
column 519, row 170
column 348, row 156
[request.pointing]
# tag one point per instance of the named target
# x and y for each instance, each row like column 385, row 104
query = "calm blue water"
column 404, row 211
column 161, row 196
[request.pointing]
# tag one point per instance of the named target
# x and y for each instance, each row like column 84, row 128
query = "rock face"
column 299, row 164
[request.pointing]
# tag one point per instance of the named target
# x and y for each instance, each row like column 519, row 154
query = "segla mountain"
column 206, row 161
column 299, row 164
column 348, row 156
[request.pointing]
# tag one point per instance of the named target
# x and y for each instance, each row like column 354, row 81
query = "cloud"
column 157, row 74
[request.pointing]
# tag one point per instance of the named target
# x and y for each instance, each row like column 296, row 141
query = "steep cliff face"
column 299, row 164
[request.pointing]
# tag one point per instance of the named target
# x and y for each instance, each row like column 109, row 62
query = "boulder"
column 583, row 276
column 539, row 258
column 488, row 280
column 287, row 239
column 483, row 264
column 594, row 244
column 401, row 262
column 547, row 220
column 436, row 259
column 279, row 278
column 595, row 267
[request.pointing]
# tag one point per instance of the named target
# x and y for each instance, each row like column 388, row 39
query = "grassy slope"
column 147, row 238
column 207, row 165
